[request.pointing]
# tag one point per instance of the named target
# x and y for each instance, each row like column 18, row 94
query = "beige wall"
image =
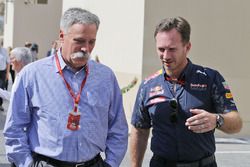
column 33, row 23
column 220, row 39
column 119, row 39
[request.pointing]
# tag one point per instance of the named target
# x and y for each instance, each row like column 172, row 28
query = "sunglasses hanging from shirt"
column 174, row 105
column 174, row 102
column 75, row 115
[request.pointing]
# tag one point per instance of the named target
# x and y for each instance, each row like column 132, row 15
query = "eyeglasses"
column 174, row 105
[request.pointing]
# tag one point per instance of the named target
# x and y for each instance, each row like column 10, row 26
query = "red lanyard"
column 76, row 97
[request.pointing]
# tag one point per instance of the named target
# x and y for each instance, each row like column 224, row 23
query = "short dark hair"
column 27, row 44
column 178, row 23
column 34, row 47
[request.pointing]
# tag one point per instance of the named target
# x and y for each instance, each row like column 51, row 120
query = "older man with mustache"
column 70, row 107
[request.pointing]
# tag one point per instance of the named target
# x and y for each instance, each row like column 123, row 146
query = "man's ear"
column 188, row 46
column 61, row 35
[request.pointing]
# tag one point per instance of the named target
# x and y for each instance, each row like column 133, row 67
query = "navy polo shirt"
column 198, row 87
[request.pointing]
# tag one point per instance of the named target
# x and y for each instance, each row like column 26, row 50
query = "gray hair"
column 77, row 16
column 178, row 23
column 22, row 54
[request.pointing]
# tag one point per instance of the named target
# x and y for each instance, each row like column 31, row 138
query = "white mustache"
column 80, row 54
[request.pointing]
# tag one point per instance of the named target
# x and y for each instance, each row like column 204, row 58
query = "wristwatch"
column 219, row 120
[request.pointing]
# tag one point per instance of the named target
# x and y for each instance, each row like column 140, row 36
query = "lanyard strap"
column 76, row 97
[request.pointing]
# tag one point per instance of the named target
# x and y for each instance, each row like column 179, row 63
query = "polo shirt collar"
column 184, row 74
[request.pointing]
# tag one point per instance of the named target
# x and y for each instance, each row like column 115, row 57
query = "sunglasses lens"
column 173, row 117
column 174, row 105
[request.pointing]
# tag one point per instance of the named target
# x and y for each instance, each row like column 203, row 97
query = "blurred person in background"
column 34, row 51
column 53, row 49
column 12, row 72
column 19, row 57
column 27, row 44
column 4, row 70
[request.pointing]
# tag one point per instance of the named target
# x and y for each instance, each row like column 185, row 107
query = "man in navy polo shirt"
column 183, row 103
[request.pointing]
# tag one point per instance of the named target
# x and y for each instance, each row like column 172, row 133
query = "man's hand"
column 201, row 122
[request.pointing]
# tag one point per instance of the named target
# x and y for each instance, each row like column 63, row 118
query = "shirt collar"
column 61, row 61
column 182, row 78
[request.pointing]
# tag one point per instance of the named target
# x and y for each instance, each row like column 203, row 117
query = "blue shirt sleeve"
column 18, row 118
column 221, row 95
column 117, row 138
column 140, row 116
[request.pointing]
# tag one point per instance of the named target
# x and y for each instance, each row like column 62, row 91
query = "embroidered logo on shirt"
column 225, row 85
column 199, row 71
column 158, row 90
column 229, row 95
column 200, row 87
column 153, row 76
column 157, row 100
